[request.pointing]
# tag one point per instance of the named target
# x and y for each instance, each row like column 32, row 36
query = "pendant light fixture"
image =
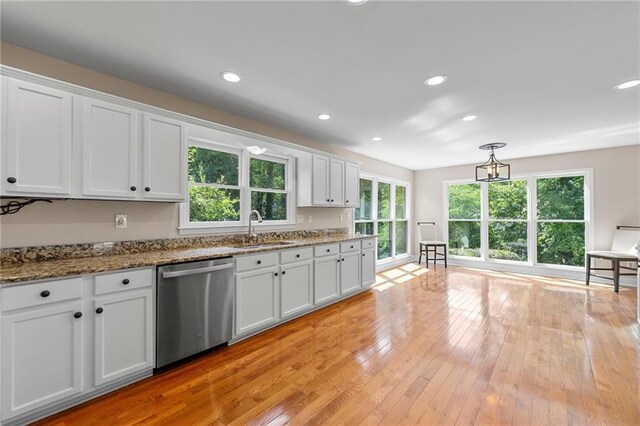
column 493, row 170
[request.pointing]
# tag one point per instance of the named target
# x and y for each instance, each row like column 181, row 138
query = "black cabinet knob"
column 328, row 199
column 328, row 250
column 99, row 311
column 338, row 260
column 11, row 179
column 45, row 293
column 125, row 281
column 146, row 188
column 297, row 255
column 276, row 274
column 259, row 262
column 332, row 200
column 77, row 315
column 284, row 272
column 351, row 246
column 342, row 259
column 347, row 201
column 133, row 188
column 363, row 255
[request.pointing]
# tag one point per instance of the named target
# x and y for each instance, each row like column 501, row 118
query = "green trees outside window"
column 214, row 194
column 362, row 214
column 464, row 219
column 559, row 225
column 267, row 180
column 384, row 222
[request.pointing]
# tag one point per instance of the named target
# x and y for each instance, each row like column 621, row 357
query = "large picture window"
column 226, row 183
column 536, row 219
column 383, row 212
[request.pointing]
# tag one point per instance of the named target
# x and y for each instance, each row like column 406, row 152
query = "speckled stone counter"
column 64, row 261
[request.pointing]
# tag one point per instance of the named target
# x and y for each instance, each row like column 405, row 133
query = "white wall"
column 87, row 221
column 616, row 175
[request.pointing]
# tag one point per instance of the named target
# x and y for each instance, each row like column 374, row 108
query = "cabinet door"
column 352, row 185
column 336, row 183
column 41, row 358
column 38, row 140
column 326, row 272
column 349, row 272
column 256, row 299
column 368, row 268
column 123, row 335
column 164, row 159
column 110, row 150
column 320, row 181
column 296, row 288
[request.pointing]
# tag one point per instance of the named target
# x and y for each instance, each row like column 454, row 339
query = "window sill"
column 234, row 229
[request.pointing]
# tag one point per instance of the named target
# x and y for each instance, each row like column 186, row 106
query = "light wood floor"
column 455, row 346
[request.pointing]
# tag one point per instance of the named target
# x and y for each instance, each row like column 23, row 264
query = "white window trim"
column 375, row 179
column 531, row 218
column 189, row 228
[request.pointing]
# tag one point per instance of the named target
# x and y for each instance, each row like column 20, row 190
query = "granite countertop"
column 11, row 273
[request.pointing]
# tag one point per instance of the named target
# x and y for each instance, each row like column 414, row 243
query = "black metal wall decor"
column 493, row 170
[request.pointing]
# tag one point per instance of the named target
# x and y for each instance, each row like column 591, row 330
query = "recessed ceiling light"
column 435, row 80
column 469, row 117
column 256, row 150
column 357, row 1
column 376, row 138
column 231, row 77
column 324, row 116
column 627, row 84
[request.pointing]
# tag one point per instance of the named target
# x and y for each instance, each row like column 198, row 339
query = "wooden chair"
column 623, row 249
column 428, row 243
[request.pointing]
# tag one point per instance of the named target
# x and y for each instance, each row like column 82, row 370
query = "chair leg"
column 420, row 256
column 588, row 268
column 445, row 257
column 616, row 276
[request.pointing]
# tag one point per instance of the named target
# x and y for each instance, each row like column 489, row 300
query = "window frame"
column 375, row 179
column 532, row 220
column 188, row 227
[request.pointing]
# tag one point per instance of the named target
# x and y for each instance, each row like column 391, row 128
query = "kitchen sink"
column 265, row 244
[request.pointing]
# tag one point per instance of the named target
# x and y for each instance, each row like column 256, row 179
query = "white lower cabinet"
column 349, row 272
column 256, row 299
column 63, row 342
column 41, row 357
column 326, row 278
column 123, row 335
column 296, row 288
column 368, row 267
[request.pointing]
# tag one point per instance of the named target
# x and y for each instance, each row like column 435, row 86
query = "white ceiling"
column 538, row 74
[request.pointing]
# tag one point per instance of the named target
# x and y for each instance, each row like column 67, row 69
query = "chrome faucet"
column 253, row 234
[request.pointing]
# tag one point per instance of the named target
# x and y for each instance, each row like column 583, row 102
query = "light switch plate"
column 121, row 220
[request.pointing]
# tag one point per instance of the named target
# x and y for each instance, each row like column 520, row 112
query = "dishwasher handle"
column 196, row 271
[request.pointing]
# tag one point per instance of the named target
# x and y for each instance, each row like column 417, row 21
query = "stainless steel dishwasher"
column 194, row 308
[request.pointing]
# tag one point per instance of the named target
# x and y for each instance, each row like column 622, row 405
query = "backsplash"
column 83, row 250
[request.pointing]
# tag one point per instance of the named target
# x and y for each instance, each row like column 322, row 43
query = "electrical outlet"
column 300, row 218
column 341, row 217
column 121, row 220
column 349, row 215
column 309, row 219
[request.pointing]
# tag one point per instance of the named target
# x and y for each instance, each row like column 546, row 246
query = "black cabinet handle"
column 297, row 255
column 327, row 199
column 284, row 272
column 275, row 273
column 347, row 201
column 328, row 250
column 11, row 179
column 77, row 315
column 351, row 246
column 45, row 293
column 342, row 259
column 332, row 200
column 133, row 188
column 99, row 310
column 259, row 262
column 338, row 260
column 125, row 281
column 363, row 255
column 146, row 188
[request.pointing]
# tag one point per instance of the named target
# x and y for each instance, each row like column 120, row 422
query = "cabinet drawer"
column 24, row 296
column 124, row 280
column 368, row 243
column 254, row 261
column 326, row 250
column 349, row 246
column 296, row 255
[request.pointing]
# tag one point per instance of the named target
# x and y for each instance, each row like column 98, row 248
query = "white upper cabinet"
column 336, row 182
column 37, row 140
column 109, row 150
column 324, row 181
column 352, row 185
column 164, row 159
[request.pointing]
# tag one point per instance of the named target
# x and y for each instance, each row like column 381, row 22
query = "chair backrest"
column 427, row 231
column 625, row 240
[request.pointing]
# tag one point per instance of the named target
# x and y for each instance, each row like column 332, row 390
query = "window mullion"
column 484, row 221
column 533, row 225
